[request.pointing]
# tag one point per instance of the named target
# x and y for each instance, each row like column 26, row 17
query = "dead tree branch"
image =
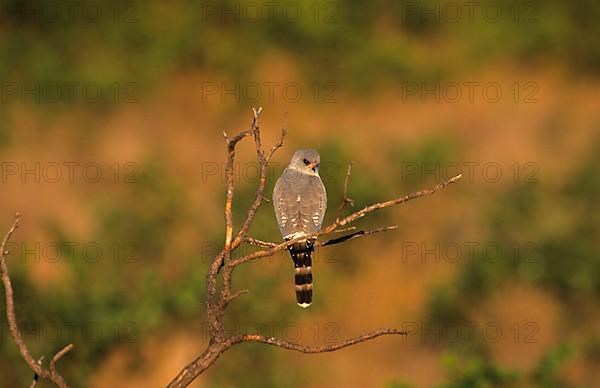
column 346, row 200
column 352, row 236
column 36, row 366
column 217, row 302
column 316, row 349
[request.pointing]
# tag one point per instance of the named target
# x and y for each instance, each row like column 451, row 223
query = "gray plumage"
column 299, row 196
column 300, row 201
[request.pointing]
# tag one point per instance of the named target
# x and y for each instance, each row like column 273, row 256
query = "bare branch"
column 231, row 143
column 344, row 230
column 200, row 364
column 318, row 349
column 259, row 195
column 346, row 200
column 358, row 234
column 226, row 297
column 36, row 378
column 38, row 370
column 58, row 356
column 238, row 293
column 259, row 243
column 217, row 304
column 382, row 205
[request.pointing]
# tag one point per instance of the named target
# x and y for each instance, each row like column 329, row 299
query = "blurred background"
column 111, row 121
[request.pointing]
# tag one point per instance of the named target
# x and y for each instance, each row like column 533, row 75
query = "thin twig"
column 318, row 349
column 51, row 374
column 358, row 234
column 259, row 243
column 58, row 356
column 344, row 230
column 231, row 143
column 397, row 201
column 237, row 293
column 259, row 195
column 346, row 200
column 36, row 377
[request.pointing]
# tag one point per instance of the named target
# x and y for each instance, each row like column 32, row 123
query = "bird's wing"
column 287, row 197
column 280, row 192
column 319, row 205
column 299, row 201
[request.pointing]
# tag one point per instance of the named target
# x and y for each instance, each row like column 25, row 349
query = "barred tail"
column 301, row 255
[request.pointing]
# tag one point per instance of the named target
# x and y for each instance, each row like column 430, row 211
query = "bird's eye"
column 306, row 162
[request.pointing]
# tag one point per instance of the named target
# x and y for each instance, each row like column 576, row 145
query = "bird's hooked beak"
column 313, row 165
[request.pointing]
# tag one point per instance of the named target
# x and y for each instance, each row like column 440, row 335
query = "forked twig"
column 36, row 366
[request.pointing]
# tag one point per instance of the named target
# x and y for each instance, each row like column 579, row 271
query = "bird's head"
column 306, row 160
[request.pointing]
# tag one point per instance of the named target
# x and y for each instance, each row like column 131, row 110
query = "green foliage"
column 364, row 187
column 5, row 127
column 578, row 34
column 398, row 384
column 591, row 348
column 546, row 373
column 444, row 307
column 475, row 372
column 427, row 161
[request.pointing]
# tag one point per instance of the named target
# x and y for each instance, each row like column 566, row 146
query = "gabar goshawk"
column 300, row 200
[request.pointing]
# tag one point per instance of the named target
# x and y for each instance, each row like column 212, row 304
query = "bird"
column 300, row 201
